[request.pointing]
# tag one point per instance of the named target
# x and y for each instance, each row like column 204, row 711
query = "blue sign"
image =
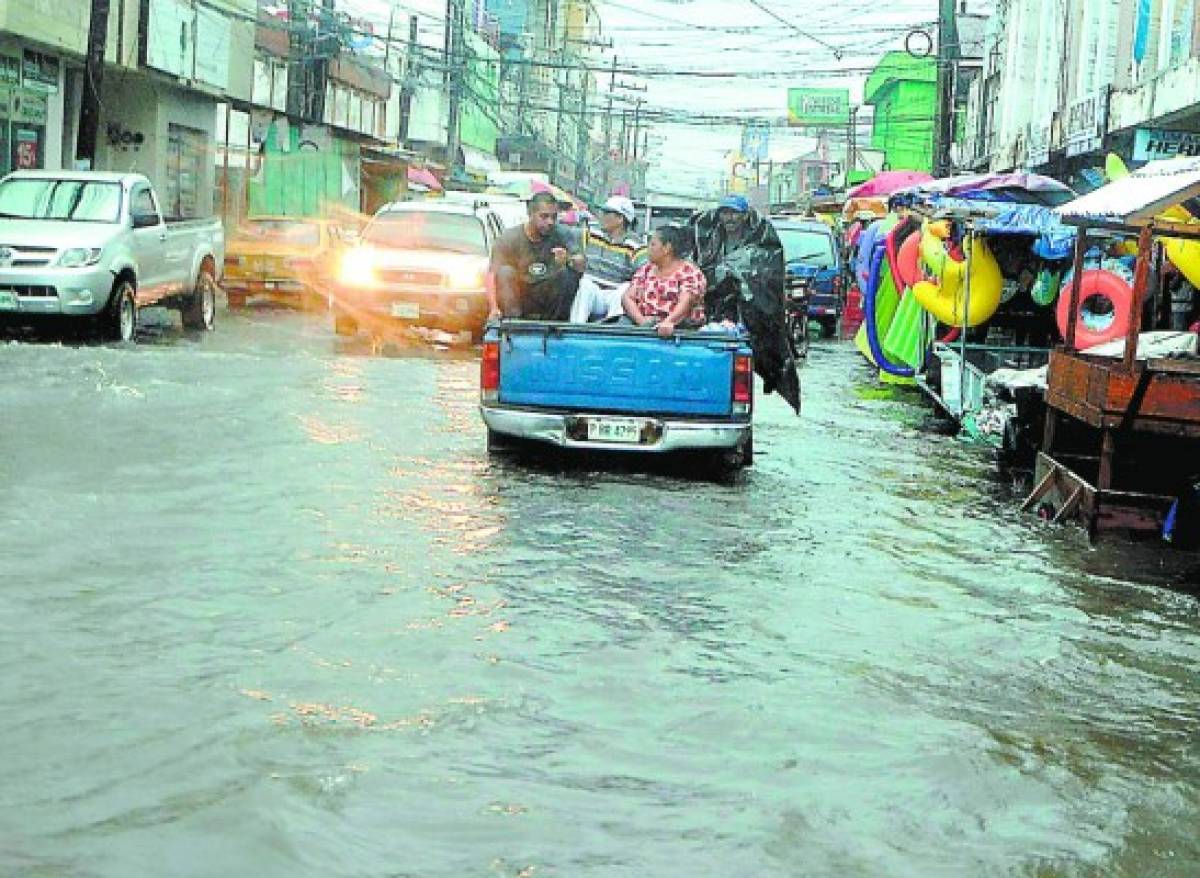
column 756, row 142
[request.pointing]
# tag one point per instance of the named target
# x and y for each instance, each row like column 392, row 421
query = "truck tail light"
column 489, row 371
column 743, row 384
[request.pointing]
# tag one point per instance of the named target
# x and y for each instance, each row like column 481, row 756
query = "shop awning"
column 1139, row 198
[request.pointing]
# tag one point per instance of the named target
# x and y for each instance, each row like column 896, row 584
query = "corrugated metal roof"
column 1140, row 197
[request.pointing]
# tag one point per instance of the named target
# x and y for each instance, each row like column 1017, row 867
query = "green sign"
column 818, row 106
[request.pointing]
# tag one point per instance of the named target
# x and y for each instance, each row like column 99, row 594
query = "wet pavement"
column 270, row 609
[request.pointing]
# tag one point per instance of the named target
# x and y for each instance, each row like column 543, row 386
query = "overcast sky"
column 726, row 36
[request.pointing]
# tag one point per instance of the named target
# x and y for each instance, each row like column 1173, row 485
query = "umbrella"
column 887, row 183
column 1019, row 188
column 424, row 177
column 560, row 195
column 855, row 206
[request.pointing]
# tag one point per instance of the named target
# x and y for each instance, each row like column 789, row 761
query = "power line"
column 837, row 53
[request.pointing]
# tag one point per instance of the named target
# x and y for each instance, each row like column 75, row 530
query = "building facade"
column 1064, row 84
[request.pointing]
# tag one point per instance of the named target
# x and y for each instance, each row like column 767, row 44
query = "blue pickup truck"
column 619, row 388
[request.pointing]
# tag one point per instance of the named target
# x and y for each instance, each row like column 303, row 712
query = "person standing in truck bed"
column 536, row 274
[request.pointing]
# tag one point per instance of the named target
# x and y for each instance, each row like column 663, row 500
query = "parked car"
column 511, row 209
column 420, row 263
column 285, row 259
column 813, row 268
column 619, row 388
column 94, row 246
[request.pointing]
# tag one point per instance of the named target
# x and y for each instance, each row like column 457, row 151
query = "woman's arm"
column 681, row 310
column 629, row 300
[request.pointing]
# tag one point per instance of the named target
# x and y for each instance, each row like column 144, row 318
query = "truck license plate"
column 8, row 300
column 623, row 432
column 406, row 310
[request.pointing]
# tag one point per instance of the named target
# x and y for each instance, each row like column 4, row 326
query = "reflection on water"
column 261, row 588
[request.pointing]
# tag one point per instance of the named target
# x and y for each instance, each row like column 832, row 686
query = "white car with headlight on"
column 419, row 263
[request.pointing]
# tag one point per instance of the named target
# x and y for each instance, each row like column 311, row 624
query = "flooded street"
column 270, row 609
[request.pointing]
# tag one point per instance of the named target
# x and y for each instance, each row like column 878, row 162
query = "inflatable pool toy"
column 947, row 299
column 908, row 338
column 907, row 266
column 1046, row 287
column 1185, row 255
column 1105, row 308
column 880, row 300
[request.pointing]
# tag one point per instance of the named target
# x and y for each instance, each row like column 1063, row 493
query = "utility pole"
column 948, row 54
column 563, row 84
column 454, row 62
column 89, row 111
column 612, row 86
column 852, row 144
column 637, row 115
column 583, row 142
column 410, row 84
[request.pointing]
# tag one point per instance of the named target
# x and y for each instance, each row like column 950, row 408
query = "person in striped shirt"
column 613, row 253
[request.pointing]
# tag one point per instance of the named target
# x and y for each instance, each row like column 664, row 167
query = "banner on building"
column 818, row 106
column 1087, row 123
column 1150, row 144
column 1038, row 137
column 756, row 142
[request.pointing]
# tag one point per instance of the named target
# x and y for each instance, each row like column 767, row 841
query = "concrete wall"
column 141, row 104
column 58, row 24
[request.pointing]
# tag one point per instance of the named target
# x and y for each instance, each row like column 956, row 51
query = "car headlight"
column 77, row 257
column 357, row 269
column 468, row 279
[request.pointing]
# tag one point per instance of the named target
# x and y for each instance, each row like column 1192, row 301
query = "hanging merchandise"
column 1046, row 287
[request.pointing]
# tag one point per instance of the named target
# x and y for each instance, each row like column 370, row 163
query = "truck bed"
column 616, row 369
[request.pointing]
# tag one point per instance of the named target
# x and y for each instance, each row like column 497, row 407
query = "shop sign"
column 1087, row 123
column 818, row 106
column 10, row 70
column 39, row 71
column 29, row 107
column 1038, row 151
column 1150, row 144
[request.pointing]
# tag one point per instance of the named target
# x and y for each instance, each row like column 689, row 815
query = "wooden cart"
column 1116, row 430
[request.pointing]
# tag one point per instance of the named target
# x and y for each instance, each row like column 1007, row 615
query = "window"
column 813, row 248
column 142, row 203
column 77, row 200
column 294, row 232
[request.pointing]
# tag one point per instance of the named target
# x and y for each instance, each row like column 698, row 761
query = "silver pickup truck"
column 95, row 246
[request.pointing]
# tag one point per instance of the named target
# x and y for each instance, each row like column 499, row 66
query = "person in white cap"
column 613, row 253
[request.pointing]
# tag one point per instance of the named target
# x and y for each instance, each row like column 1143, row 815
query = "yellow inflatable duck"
column 946, row 300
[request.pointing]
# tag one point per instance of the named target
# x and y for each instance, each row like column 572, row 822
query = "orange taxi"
column 284, row 259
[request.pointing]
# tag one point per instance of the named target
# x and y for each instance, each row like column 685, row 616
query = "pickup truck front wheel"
column 201, row 309
column 118, row 322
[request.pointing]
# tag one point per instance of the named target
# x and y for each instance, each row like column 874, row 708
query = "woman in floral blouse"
column 668, row 290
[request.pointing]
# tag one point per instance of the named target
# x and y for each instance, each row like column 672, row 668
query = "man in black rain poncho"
column 742, row 259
